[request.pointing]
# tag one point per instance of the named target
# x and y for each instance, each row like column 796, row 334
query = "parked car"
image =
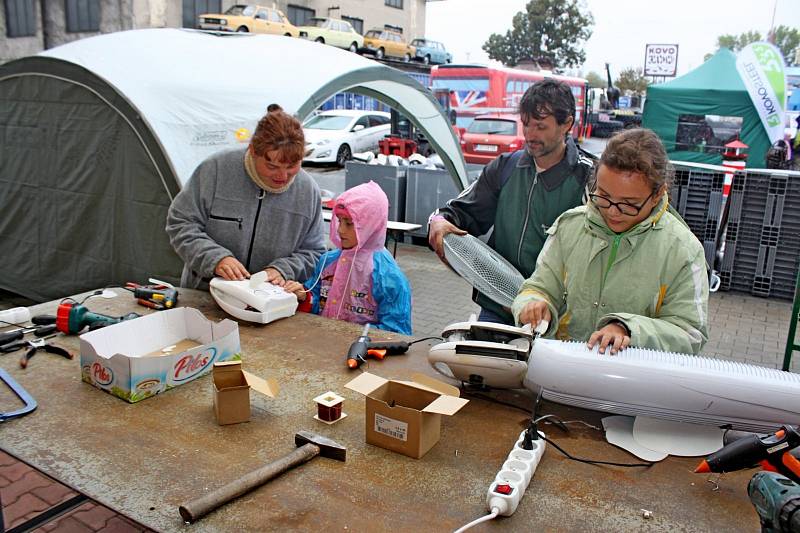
column 334, row 32
column 333, row 136
column 491, row 135
column 249, row 18
column 432, row 52
column 387, row 43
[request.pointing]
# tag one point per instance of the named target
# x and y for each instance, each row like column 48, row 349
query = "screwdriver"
column 17, row 334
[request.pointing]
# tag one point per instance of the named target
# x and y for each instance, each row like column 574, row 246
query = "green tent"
column 696, row 114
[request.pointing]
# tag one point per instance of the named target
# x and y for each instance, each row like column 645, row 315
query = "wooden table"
column 395, row 230
column 145, row 459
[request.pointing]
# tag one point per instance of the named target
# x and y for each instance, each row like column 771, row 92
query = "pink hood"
column 368, row 206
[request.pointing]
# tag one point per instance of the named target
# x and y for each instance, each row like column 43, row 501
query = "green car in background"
column 432, row 52
column 334, row 32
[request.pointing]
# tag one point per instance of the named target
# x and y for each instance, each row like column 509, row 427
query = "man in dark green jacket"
column 521, row 194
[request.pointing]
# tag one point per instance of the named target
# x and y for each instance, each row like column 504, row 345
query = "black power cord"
column 532, row 433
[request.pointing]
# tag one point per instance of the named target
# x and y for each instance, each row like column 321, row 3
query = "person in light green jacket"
column 624, row 269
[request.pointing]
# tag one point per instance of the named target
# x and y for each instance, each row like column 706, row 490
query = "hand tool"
column 773, row 452
column 22, row 394
column 72, row 317
column 364, row 346
column 777, row 502
column 20, row 343
column 41, row 343
column 11, row 336
column 309, row 446
column 157, row 297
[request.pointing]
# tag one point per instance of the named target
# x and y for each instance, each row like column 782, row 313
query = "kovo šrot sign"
column 760, row 66
column 660, row 59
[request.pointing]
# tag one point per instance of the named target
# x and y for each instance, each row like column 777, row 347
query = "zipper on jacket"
column 527, row 216
column 261, row 195
column 229, row 219
column 611, row 257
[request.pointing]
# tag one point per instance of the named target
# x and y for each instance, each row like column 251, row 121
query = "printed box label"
column 391, row 427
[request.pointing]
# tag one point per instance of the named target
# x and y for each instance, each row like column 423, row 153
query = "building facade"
column 30, row 26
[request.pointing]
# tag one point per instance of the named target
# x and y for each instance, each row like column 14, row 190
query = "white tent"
column 98, row 135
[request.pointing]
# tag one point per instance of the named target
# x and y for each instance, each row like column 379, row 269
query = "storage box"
column 232, row 391
column 139, row 358
column 406, row 416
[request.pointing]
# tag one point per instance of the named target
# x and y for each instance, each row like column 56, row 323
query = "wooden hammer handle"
column 199, row 507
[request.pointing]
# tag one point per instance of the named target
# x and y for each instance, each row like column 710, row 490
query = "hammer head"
column 327, row 447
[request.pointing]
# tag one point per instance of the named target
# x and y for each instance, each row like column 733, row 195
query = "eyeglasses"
column 625, row 208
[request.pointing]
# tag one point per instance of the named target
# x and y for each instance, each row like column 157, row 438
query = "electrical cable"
column 494, row 400
column 593, row 462
column 485, row 518
column 424, row 339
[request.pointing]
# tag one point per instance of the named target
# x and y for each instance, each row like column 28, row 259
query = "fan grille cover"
column 483, row 268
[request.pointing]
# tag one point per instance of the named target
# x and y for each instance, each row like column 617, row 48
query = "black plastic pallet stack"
column 762, row 245
column 697, row 195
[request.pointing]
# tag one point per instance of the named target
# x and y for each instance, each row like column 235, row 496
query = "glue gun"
column 363, row 347
column 772, row 452
column 157, row 297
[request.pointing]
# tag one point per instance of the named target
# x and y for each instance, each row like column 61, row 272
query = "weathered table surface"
column 146, row 459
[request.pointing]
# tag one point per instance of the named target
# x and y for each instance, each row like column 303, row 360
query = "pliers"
column 34, row 346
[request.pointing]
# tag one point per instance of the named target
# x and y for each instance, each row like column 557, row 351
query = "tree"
column 632, row 80
column 596, row 80
column 551, row 31
column 787, row 40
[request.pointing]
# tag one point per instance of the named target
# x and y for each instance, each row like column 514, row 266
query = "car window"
column 274, row 17
column 373, row 34
column 347, row 27
column 417, row 42
column 493, row 127
column 377, row 120
column 363, row 121
column 327, row 122
column 262, row 14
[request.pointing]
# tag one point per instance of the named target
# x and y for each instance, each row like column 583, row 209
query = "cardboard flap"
column 221, row 367
column 446, row 405
column 268, row 387
column 435, row 385
column 366, row 383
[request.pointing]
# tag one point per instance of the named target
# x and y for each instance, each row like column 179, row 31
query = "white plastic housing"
column 672, row 386
column 260, row 302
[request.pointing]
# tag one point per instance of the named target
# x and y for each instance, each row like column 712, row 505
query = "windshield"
column 373, row 33
column 493, row 127
column 327, row 122
column 319, row 23
column 242, row 10
column 418, row 42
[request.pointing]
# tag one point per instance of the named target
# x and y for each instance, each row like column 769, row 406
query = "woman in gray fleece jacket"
column 248, row 210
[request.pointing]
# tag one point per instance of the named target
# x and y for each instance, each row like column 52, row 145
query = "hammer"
column 309, row 446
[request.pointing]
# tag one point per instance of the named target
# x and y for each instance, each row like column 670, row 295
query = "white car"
column 333, row 136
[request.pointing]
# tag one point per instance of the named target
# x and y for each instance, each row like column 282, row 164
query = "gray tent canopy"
column 99, row 135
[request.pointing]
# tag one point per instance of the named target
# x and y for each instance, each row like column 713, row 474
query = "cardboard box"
column 139, row 358
column 232, row 391
column 406, row 416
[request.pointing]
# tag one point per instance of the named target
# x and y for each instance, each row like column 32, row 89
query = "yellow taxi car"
column 249, row 18
column 387, row 43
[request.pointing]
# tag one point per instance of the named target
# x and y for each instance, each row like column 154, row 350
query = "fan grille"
column 483, row 268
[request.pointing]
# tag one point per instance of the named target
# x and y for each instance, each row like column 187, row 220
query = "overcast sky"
column 621, row 30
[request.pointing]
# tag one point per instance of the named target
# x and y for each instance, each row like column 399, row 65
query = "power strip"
column 515, row 475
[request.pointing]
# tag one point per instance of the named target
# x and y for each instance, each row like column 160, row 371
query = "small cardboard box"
column 139, row 358
column 406, row 416
column 232, row 391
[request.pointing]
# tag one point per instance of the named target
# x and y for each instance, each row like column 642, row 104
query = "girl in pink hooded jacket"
column 359, row 281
